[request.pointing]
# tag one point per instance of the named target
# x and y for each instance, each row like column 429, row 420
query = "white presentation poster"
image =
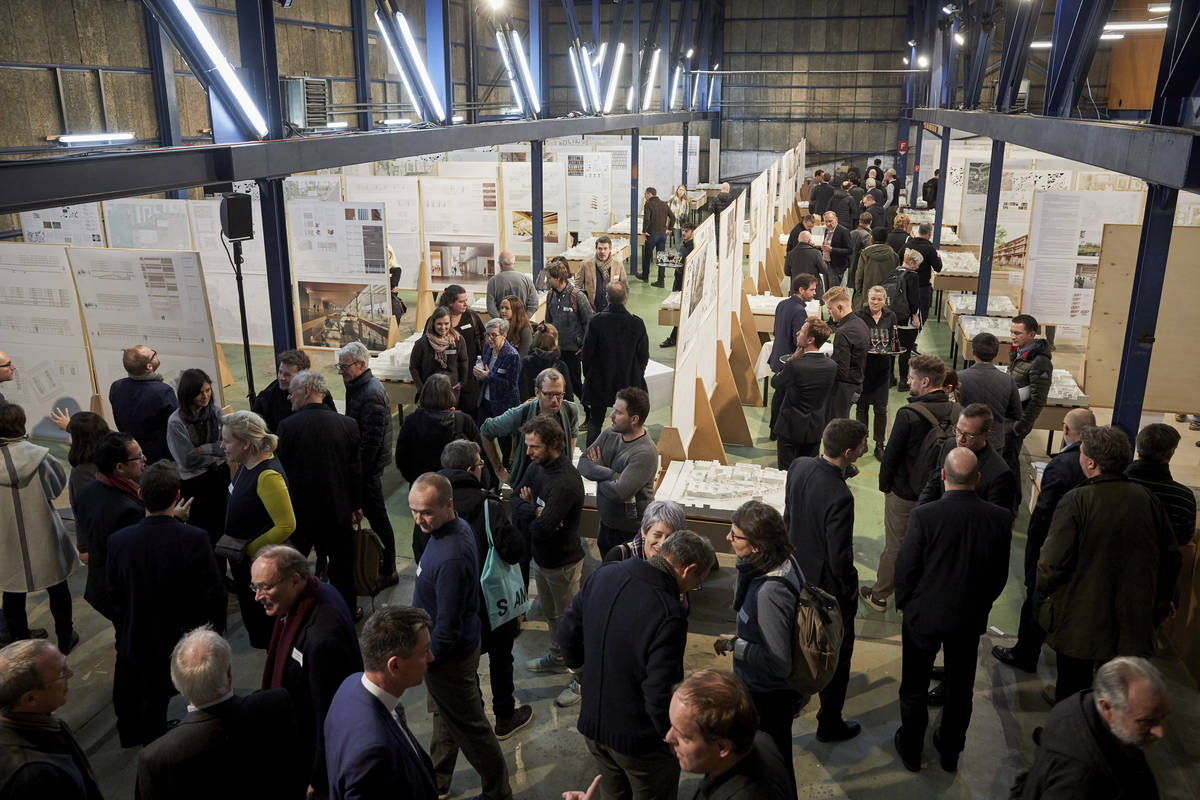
column 786, row 180
column 220, row 281
column 730, row 269
column 772, row 192
column 147, row 224
column 518, row 213
column 454, row 207
column 77, row 225
column 489, row 154
column 693, row 341
column 760, row 225
column 485, row 170
column 620, row 178
column 402, row 209
column 411, row 165
column 589, row 191
column 42, row 332
column 323, row 188
column 693, row 170
column 974, row 208
column 337, row 241
column 155, row 298
column 1187, row 209
column 656, row 166
column 1064, row 248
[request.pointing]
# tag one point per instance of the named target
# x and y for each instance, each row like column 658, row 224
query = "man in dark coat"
column 714, row 733
column 112, row 502
column 984, row 383
column 367, row 404
column 1062, row 474
column 1107, row 520
column 929, row 190
column 1156, row 445
column 997, row 484
column 904, row 466
column 624, row 712
column 142, row 402
column 850, row 344
column 163, row 580
column 790, row 316
column 313, row 647
column 320, row 452
column 836, row 247
column 805, row 384
column 615, row 352
column 1032, row 370
column 371, row 750
column 952, row 566
column 39, row 757
column 844, row 205
column 1092, row 743
column 931, row 262
column 806, row 258
column 272, row 403
column 807, row 223
column 657, row 219
column 819, row 514
column 820, row 195
column 222, row 734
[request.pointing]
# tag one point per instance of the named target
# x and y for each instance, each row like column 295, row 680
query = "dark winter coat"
column 615, row 352
column 273, row 405
column 141, row 407
column 425, row 434
column 897, row 471
column 367, row 404
column 1032, row 369
column 819, row 515
column 538, row 360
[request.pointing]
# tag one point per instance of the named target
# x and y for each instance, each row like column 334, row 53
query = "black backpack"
column 898, row 300
column 929, row 457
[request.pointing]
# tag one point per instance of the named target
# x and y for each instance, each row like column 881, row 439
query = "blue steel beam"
column 941, row 198
column 718, row 56
column 362, row 63
column 437, row 52
column 1076, row 35
column 162, row 79
column 665, row 62
column 1019, row 26
column 1181, row 85
column 610, row 52
column 537, row 51
column 279, row 271
column 989, row 227
column 575, row 42
column 980, row 31
column 538, row 256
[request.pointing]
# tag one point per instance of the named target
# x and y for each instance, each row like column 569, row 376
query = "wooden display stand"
column 224, row 373
column 726, row 401
column 425, row 299
column 742, row 359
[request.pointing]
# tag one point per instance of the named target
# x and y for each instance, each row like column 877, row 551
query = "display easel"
column 746, row 344
column 726, row 403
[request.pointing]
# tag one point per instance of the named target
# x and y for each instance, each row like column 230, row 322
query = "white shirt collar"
column 389, row 702
column 220, row 699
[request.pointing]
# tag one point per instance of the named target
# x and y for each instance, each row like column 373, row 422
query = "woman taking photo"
column 194, row 439
column 259, row 510
column 441, row 351
column 766, row 616
column 544, row 355
column 38, row 551
column 498, row 372
column 520, row 333
column 470, row 327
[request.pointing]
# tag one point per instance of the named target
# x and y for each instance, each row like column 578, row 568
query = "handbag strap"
column 487, row 524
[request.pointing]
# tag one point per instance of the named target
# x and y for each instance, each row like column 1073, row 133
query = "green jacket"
column 874, row 263
column 509, row 424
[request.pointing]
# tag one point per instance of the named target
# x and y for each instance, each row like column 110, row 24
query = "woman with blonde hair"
column 898, row 236
column 681, row 207
column 259, row 512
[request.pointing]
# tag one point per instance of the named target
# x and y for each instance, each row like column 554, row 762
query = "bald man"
column 142, row 402
column 510, row 283
column 8, row 370
column 952, row 566
column 1062, row 474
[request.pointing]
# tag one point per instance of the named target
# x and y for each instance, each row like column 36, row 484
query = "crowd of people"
column 159, row 513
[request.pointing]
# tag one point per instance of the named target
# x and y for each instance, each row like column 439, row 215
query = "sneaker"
column 546, row 663
column 66, row 646
column 520, row 717
column 568, row 696
column 864, row 594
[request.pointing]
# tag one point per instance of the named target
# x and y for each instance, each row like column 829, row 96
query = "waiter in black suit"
column 228, row 746
column 805, row 382
column 1062, row 474
column 952, row 566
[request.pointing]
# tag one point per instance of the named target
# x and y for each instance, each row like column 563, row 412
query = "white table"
column 710, row 490
column 660, row 384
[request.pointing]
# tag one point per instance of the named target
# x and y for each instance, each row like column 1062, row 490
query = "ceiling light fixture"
column 612, row 79
column 650, row 79
column 572, row 60
column 1040, row 45
column 1111, row 36
column 959, row 39
column 1159, row 8
column 1135, row 26
column 438, row 111
column 512, row 75
column 91, row 138
column 524, row 69
column 387, row 40
column 922, row 61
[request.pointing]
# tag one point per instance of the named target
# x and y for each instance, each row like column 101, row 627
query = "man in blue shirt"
column 447, row 587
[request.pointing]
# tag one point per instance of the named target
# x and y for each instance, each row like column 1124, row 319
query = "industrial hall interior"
column 596, row 399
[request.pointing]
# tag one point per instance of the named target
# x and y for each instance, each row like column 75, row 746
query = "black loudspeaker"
column 236, row 219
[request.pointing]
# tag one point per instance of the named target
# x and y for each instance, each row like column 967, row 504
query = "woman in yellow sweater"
column 260, row 508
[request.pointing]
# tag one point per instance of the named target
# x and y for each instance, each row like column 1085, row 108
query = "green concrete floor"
column 644, row 301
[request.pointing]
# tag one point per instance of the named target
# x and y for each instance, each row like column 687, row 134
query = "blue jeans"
column 656, row 242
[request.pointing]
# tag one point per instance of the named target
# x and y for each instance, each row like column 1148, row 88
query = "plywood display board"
column 339, row 263
column 151, row 297
column 78, row 225
column 589, row 190
column 220, row 281
column 402, row 216
column 1174, row 381
column 1064, row 244
column 42, row 331
column 147, row 224
column 518, row 217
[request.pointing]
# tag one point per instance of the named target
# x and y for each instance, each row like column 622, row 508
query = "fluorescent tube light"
column 337, row 125
column 711, row 83
column 422, row 73
column 696, row 90
column 1159, row 8
column 391, row 48
column 589, row 76
column 690, row 52
column 1111, row 36
column 222, row 66
column 959, row 39
column 86, row 138
column 1135, row 26
column 1040, row 45
column 398, row 121
column 612, row 79
column 456, row 118
column 600, row 54
column 512, row 76
column 922, row 61
column 583, row 95
column 650, row 78
column 904, row 59
column 524, row 70
column 674, row 87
